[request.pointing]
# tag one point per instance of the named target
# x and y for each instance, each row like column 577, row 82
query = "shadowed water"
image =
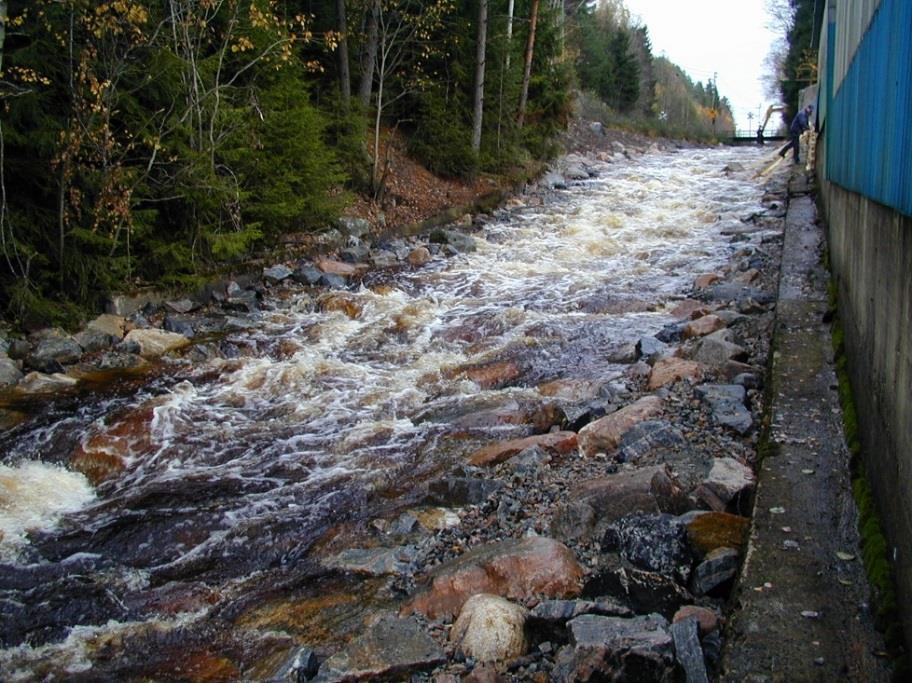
column 212, row 482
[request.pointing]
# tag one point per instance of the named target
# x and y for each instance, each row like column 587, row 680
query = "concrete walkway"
column 801, row 610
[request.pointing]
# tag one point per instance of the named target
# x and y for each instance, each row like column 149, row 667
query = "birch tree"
column 479, row 74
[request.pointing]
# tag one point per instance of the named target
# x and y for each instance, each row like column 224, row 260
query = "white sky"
column 706, row 36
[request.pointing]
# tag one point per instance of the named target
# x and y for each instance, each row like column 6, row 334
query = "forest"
column 155, row 143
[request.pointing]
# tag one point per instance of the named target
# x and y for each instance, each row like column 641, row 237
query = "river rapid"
column 219, row 486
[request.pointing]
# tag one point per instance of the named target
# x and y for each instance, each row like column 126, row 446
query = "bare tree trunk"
column 480, row 73
column 527, row 72
column 369, row 57
column 509, row 29
column 344, row 72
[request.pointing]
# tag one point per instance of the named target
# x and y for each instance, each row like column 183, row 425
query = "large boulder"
column 153, row 343
column 605, row 434
column 595, row 504
column 391, row 648
column 490, row 628
column 457, row 240
column 640, row 590
column 728, row 481
column 514, row 569
column 54, row 349
column 717, row 349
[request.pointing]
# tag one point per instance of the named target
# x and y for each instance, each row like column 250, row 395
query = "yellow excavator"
column 772, row 109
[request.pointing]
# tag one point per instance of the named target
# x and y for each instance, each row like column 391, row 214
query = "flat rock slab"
column 391, row 647
column 768, row 638
column 560, row 442
column 605, row 434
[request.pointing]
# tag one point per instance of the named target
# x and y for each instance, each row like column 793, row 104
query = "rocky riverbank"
column 602, row 545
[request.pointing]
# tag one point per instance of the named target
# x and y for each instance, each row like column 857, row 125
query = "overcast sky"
column 704, row 36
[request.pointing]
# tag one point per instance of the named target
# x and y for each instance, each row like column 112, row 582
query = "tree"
column 344, row 73
column 479, row 73
column 527, row 68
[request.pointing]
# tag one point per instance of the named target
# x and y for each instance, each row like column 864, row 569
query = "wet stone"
column 55, row 349
column 650, row 349
column 10, row 374
column 275, row 274
column 301, row 666
column 374, row 561
column 332, row 280
column 457, row 240
column 306, row 274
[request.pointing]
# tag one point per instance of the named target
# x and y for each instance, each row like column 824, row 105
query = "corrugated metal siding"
column 869, row 120
column 853, row 18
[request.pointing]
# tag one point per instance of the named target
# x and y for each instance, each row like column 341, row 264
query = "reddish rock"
column 328, row 265
column 488, row 376
column 670, row 370
column 342, row 303
column 419, row 256
column 706, row 279
column 707, row 620
column 748, row 276
column 689, row 309
column 514, row 569
column 703, row 326
column 106, row 451
column 604, row 434
column 574, row 390
column 561, row 442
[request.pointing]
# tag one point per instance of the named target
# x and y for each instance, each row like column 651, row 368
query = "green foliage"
column 607, row 63
column 800, row 65
column 441, row 138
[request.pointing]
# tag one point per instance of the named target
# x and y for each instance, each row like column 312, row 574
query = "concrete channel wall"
column 871, row 258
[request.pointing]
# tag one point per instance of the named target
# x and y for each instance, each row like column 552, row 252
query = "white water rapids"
column 236, row 465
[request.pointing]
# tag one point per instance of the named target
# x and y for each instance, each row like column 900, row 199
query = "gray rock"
column 54, row 349
column 643, row 591
column 92, row 340
column 715, row 574
column 354, row 254
column 650, row 349
column 617, row 649
column 528, row 461
column 384, row 259
column 729, row 480
column 126, row 305
column 597, row 128
column 374, row 561
column 19, row 349
column 648, row 441
column 748, row 380
column 244, row 301
column 596, row 503
column 10, row 374
column 549, row 611
column 275, row 274
column 726, row 401
column 390, row 648
column 575, row 171
column 457, row 240
column 718, row 349
column 354, row 227
column 306, row 274
column 688, row 652
column 458, row 491
column 182, row 306
column 332, row 281
column 655, row 542
column 405, row 524
column 732, row 291
column 179, row 324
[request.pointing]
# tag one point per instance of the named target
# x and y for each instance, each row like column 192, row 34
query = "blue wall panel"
column 869, row 120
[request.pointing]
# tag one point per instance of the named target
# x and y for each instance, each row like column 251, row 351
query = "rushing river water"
column 216, row 484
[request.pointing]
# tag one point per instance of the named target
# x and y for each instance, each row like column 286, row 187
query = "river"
column 216, row 484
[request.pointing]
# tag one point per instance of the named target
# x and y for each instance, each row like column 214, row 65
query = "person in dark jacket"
column 800, row 123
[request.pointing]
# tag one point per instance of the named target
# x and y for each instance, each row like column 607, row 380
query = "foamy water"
column 340, row 401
